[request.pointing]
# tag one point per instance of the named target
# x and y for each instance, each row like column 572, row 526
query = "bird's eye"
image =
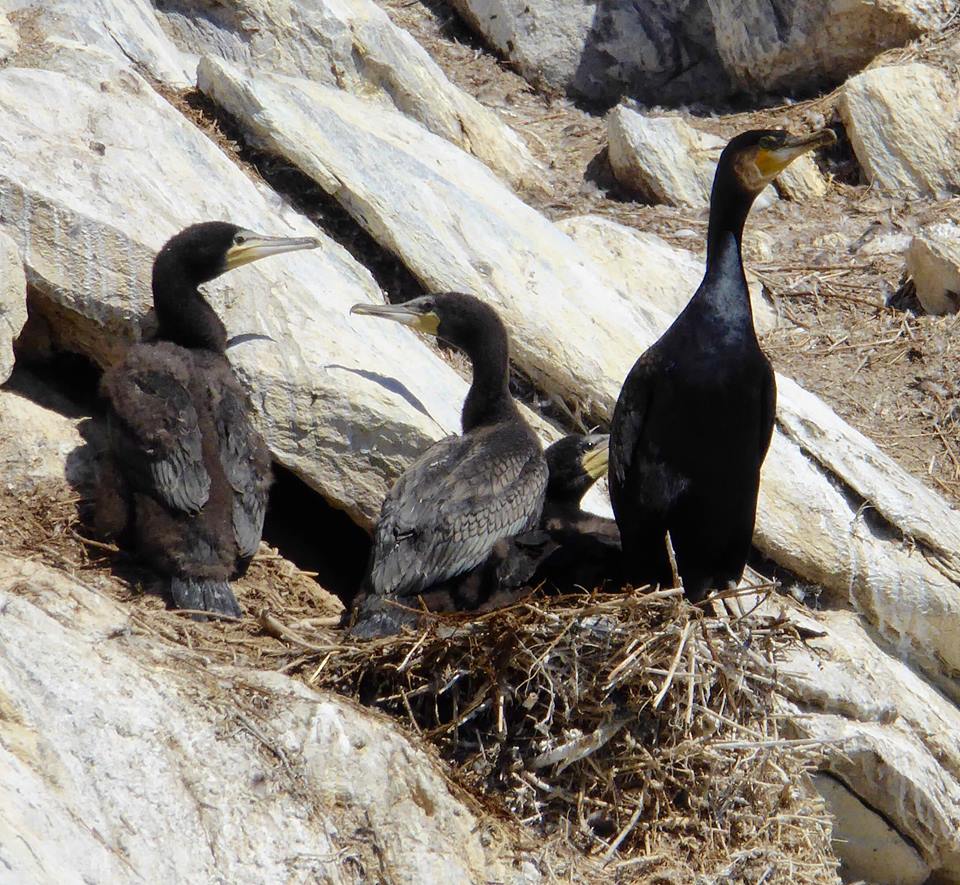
column 768, row 142
column 239, row 239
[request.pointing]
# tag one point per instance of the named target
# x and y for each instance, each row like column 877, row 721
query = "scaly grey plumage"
column 466, row 493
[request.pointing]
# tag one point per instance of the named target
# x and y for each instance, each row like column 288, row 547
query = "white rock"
column 351, row 45
column 801, row 180
column 447, row 216
column 867, row 846
column 114, row 172
column 9, row 38
column 577, row 336
column 933, row 261
column 124, row 760
column 666, row 160
column 648, row 268
column 803, row 44
column 888, row 243
column 13, row 302
column 546, row 39
column 125, row 31
column 904, row 124
column 46, row 450
column 654, row 51
column 888, row 735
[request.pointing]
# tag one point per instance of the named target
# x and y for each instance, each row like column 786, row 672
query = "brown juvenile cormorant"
column 695, row 416
column 186, row 476
column 465, row 493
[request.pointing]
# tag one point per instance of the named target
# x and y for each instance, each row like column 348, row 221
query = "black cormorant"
column 695, row 416
column 465, row 493
column 186, row 476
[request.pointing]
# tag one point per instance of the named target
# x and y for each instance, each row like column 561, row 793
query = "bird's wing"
column 445, row 513
column 629, row 417
column 768, row 409
column 245, row 460
column 155, row 435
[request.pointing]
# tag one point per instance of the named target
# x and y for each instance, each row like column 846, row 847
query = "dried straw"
column 635, row 726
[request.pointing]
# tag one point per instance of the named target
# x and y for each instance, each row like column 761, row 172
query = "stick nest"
column 636, row 726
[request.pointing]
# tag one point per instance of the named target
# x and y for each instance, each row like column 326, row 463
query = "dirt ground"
column 830, row 267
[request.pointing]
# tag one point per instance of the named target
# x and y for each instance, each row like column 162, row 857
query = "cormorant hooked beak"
column 248, row 246
column 596, row 458
column 427, row 322
column 772, row 159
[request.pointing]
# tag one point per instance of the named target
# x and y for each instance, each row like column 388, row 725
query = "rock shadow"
column 659, row 52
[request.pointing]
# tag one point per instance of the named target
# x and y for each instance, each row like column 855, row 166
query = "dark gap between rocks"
column 839, row 160
column 315, row 536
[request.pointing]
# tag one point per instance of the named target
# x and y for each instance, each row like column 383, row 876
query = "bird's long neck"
column 565, row 507
column 488, row 400
column 184, row 316
column 725, row 285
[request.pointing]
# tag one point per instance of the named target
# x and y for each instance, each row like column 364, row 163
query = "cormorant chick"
column 585, row 550
column 694, row 418
column 465, row 493
column 186, row 476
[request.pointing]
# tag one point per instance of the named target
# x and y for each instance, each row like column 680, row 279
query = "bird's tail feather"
column 204, row 594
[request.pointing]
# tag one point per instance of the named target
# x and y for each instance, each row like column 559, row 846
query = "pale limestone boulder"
column 545, row 40
column 449, row 219
column 351, row 45
column 648, row 268
column 888, row 735
column 45, row 451
column 933, row 262
column 9, row 38
column 802, row 181
column 868, row 847
column 125, row 32
column 652, row 50
column 666, row 160
column 13, row 302
column 577, row 335
column 798, row 45
column 904, row 124
column 342, row 406
column 125, row 760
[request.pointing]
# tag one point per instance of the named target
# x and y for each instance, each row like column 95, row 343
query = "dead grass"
column 634, row 726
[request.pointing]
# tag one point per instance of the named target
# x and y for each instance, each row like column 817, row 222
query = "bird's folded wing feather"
column 246, row 463
column 629, row 418
column 155, row 432
column 446, row 512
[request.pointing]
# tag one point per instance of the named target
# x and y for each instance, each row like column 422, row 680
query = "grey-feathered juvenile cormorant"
column 465, row 493
column 568, row 549
column 186, row 476
column 695, row 416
